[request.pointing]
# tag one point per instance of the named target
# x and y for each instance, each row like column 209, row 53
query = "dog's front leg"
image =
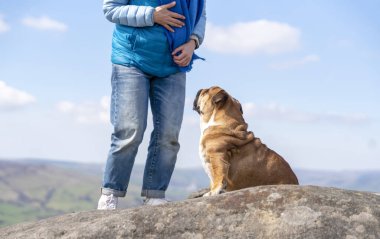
column 218, row 167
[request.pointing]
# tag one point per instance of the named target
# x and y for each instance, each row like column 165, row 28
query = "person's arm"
column 120, row 12
column 199, row 30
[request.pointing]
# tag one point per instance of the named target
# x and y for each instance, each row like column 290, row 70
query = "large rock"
column 260, row 212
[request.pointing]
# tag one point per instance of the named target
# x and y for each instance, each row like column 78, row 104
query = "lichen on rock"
column 261, row 212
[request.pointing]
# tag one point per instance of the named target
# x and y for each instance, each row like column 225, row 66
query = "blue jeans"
column 131, row 91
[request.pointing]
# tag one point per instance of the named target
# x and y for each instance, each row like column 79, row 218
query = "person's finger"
column 176, row 23
column 176, row 60
column 178, row 49
column 181, row 56
column 180, row 63
column 168, row 27
column 169, row 5
column 184, row 64
column 176, row 15
column 172, row 23
column 183, row 61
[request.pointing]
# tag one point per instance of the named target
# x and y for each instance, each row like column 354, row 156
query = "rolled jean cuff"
column 152, row 193
column 116, row 193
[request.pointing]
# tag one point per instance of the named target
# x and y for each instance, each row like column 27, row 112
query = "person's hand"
column 185, row 53
column 166, row 18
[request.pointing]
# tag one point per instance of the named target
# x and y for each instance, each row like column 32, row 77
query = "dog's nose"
column 195, row 104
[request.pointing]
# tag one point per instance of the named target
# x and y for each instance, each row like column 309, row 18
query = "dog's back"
column 255, row 164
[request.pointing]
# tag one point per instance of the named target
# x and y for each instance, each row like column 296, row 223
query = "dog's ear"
column 220, row 98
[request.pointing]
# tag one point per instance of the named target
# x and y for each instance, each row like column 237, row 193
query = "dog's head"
column 213, row 99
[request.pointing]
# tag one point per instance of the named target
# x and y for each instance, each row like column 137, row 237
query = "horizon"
column 141, row 164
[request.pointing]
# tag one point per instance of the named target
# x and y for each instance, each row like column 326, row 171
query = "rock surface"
column 260, row 212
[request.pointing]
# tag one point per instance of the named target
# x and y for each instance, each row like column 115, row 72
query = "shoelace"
column 111, row 201
column 110, row 198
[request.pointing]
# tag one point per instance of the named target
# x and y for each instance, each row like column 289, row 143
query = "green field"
column 32, row 190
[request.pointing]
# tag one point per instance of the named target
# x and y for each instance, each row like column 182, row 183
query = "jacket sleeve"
column 200, row 28
column 120, row 12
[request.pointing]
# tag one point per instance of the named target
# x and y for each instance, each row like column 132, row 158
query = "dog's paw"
column 214, row 192
column 198, row 193
column 207, row 194
column 211, row 193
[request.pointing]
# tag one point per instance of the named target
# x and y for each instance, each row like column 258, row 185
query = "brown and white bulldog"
column 232, row 156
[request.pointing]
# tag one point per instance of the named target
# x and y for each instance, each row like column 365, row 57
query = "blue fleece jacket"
column 138, row 42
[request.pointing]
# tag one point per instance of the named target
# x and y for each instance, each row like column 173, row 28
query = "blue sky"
column 307, row 73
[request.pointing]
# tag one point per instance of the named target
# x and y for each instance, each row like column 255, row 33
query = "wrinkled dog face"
column 214, row 97
column 206, row 99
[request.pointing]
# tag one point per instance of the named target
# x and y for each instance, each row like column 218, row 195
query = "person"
column 152, row 49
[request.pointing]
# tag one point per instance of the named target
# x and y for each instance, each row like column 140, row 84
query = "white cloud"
column 296, row 63
column 11, row 98
column 246, row 38
column 4, row 27
column 87, row 112
column 66, row 106
column 277, row 112
column 44, row 23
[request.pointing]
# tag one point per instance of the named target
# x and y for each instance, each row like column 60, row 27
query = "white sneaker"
column 107, row 202
column 155, row 201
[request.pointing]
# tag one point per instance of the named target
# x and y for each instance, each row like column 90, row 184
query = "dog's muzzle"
column 195, row 104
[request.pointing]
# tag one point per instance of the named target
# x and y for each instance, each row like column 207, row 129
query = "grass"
column 12, row 214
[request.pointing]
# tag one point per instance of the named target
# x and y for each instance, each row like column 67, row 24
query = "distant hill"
column 354, row 180
column 36, row 189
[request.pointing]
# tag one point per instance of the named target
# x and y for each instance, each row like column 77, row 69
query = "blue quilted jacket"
column 137, row 41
